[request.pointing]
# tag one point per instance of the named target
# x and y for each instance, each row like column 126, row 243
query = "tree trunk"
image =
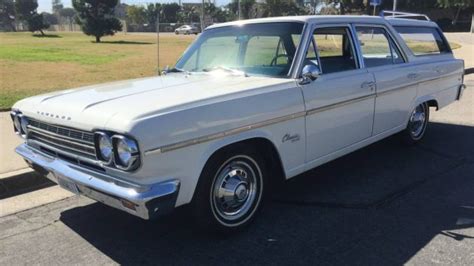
column 455, row 20
column 97, row 39
column 42, row 33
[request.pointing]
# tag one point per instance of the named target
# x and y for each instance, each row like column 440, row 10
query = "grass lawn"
column 33, row 65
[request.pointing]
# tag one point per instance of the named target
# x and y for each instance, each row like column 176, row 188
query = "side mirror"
column 165, row 71
column 309, row 73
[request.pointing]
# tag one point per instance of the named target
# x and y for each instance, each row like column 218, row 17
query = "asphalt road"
column 386, row 204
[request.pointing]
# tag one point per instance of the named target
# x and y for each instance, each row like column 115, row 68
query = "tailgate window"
column 423, row 40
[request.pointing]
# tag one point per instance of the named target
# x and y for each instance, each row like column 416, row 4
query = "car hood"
column 116, row 105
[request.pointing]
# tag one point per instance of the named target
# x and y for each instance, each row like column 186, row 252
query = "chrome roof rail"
column 404, row 15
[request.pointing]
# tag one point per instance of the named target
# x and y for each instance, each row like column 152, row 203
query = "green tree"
column 217, row 13
column 49, row 18
column 136, row 15
column 96, row 17
column 458, row 4
column 7, row 15
column 246, row 7
column 67, row 12
column 151, row 13
column 189, row 14
column 170, row 12
column 26, row 11
column 275, row 8
column 57, row 6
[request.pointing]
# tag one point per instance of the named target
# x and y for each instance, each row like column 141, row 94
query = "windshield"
column 259, row 49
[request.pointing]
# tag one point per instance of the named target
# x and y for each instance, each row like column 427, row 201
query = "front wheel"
column 417, row 124
column 230, row 191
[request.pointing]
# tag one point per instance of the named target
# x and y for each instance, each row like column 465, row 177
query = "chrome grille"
column 65, row 139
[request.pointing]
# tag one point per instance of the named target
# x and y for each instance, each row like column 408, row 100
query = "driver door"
column 340, row 101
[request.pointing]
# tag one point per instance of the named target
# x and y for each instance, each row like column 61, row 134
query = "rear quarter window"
column 424, row 40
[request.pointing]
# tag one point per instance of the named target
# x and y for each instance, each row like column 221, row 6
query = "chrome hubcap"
column 418, row 121
column 234, row 190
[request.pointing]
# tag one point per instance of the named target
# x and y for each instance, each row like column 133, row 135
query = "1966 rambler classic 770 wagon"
column 249, row 103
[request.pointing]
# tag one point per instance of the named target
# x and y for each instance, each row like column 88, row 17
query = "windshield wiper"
column 176, row 70
column 227, row 69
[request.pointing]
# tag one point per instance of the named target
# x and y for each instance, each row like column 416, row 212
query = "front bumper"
column 146, row 202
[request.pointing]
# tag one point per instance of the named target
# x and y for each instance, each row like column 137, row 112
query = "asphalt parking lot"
column 385, row 204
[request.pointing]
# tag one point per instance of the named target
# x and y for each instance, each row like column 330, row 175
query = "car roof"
column 330, row 19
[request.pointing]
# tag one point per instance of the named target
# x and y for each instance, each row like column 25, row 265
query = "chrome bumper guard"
column 461, row 91
column 146, row 202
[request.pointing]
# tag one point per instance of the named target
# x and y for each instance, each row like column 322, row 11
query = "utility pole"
column 240, row 9
column 394, row 5
column 202, row 16
column 158, row 40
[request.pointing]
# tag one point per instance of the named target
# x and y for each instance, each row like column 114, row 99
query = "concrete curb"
column 15, row 172
column 25, row 189
column 21, row 182
column 32, row 200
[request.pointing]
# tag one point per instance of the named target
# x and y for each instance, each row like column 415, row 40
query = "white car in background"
column 186, row 30
column 249, row 103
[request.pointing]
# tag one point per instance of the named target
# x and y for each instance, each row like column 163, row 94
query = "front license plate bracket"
column 68, row 185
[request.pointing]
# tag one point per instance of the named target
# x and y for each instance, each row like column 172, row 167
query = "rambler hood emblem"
column 57, row 116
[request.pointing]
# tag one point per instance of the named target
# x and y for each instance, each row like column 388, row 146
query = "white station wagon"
column 249, row 103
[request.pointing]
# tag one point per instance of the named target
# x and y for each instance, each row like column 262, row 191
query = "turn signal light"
column 128, row 204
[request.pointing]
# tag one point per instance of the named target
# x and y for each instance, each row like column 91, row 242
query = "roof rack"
column 404, row 15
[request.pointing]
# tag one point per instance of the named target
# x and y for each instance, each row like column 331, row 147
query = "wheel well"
column 266, row 149
column 433, row 103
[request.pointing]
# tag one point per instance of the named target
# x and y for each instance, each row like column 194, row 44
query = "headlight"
column 126, row 153
column 103, row 145
column 24, row 125
column 17, row 123
column 116, row 150
column 20, row 123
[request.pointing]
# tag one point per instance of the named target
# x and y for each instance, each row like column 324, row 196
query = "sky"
column 45, row 5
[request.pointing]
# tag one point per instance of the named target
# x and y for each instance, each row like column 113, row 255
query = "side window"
column 334, row 49
column 377, row 47
column 423, row 40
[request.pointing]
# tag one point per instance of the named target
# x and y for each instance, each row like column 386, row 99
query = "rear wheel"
column 417, row 124
column 230, row 190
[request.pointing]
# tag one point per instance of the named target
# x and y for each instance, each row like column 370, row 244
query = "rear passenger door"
column 396, row 80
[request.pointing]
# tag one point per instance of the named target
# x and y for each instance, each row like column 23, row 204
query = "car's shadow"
column 382, row 203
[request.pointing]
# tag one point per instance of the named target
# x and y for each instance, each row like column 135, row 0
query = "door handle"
column 368, row 85
column 413, row 75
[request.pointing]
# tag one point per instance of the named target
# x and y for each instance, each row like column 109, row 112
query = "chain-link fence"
column 164, row 27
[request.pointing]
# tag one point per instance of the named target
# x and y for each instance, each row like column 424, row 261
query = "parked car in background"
column 186, row 30
column 249, row 104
